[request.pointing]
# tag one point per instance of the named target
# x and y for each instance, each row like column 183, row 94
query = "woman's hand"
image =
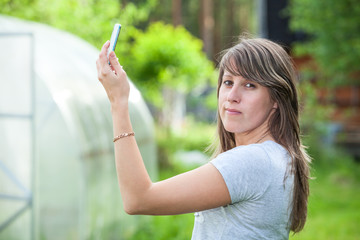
column 112, row 77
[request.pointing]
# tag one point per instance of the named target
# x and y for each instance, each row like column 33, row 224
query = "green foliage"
column 334, row 199
column 195, row 136
column 333, row 27
column 314, row 116
column 88, row 19
column 174, row 227
column 166, row 57
column 334, row 193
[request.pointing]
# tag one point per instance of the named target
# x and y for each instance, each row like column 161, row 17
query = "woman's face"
column 244, row 107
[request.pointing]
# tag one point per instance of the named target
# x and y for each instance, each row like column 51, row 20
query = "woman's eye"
column 250, row 85
column 227, row 82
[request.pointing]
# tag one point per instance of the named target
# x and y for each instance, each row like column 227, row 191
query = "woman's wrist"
column 119, row 105
column 121, row 118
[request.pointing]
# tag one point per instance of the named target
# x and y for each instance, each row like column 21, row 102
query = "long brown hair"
column 269, row 65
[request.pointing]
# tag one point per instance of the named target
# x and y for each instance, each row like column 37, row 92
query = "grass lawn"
column 334, row 204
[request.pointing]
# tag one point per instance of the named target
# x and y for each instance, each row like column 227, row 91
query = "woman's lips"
column 232, row 111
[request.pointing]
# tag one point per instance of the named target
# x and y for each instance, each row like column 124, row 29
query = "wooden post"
column 207, row 26
column 176, row 12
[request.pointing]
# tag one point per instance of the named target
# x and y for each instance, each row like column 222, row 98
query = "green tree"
column 169, row 61
column 88, row 19
column 334, row 42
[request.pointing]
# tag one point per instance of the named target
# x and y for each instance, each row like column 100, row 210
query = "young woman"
column 256, row 185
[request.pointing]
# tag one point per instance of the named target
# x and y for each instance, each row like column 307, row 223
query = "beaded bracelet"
column 123, row 135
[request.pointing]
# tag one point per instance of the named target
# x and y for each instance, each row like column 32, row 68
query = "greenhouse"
column 57, row 175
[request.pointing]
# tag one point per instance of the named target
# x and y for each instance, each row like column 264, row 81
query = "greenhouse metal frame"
column 27, row 197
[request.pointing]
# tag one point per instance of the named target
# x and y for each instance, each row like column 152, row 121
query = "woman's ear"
column 275, row 106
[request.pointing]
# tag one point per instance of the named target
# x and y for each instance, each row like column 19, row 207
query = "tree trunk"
column 174, row 109
column 218, row 45
column 230, row 8
column 207, row 26
column 176, row 12
column 244, row 17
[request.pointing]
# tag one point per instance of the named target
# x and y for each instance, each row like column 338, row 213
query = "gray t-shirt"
column 260, row 197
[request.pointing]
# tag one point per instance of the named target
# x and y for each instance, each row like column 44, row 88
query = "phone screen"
column 114, row 37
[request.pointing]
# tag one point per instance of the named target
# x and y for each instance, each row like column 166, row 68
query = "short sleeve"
column 246, row 170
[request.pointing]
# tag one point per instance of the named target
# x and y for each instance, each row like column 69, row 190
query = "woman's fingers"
column 114, row 62
column 102, row 65
column 104, row 49
column 112, row 77
column 102, row 55
column 106, row 72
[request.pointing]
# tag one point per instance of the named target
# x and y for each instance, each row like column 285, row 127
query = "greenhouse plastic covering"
column 57, row 174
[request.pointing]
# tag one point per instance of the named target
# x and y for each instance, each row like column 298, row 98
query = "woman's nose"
column 234, row 95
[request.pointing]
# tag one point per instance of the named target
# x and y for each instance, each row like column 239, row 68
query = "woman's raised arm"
column 199, row 189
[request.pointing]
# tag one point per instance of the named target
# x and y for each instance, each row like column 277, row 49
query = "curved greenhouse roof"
column 57, row 176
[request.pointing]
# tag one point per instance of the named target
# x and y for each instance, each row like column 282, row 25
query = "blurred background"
column 57, row 175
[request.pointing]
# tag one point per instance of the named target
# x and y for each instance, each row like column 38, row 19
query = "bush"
column 165, row 56
column 334, row 42
column 195, row 136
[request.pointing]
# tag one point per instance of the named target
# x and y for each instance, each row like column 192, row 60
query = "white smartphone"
column 113, row 40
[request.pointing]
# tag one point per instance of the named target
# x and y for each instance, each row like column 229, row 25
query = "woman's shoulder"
column 269, row 147
column 265, row 154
